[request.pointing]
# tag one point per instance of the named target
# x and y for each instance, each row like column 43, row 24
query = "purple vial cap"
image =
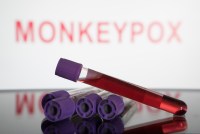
column 59, row 109
column 87, row 107
column 54, row 95
column 115, row 126
column 111, row 107
column 68, row 69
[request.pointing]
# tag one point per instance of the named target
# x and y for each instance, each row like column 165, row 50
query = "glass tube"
column 76, row 72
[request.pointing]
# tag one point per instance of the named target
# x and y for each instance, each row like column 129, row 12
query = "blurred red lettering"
column 25, row 101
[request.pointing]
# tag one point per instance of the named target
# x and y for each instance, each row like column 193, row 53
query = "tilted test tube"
column 76, row 72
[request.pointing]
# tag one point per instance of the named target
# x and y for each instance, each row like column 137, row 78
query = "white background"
column 164, row 65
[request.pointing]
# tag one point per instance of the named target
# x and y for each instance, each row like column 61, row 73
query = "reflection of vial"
column 88, row 126
column 163, row 126
column 76, row 72
column 114, row 126
column 61, row 127
column 64, row 107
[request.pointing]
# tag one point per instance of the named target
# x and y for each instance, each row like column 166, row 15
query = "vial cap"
column 54, row 95
column 59, row 109
column 111, row 107
column 87, row 107
column 68, row 69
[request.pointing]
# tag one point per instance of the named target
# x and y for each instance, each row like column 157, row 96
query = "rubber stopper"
column 87, row 107
column 68, row 69
column 54, row 95
column 59, row 109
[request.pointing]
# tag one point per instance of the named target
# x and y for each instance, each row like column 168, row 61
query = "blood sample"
column 76, row 72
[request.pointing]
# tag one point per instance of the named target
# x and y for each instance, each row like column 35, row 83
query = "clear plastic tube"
column 81, row 93
column 129, row 111
column 76, row 72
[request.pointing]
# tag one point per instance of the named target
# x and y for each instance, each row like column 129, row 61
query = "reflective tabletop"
column 21, row 112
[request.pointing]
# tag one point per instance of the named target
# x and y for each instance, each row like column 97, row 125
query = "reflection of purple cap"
column 111, row 107
column 88, row 126
column 115, row 126
column 44, row 124
column 54, row 95
column 61, row 127
column 68, row 69
column 87, row 107
column 59, row 109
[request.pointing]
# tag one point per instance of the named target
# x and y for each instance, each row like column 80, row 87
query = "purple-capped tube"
column 59, row 109
column 86, row 107
column 76, row 72
column 117, row 125
column 54, row 95
column 64, row 93
column 64, row 107
column 112, row 107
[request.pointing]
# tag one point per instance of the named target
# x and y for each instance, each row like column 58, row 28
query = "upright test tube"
column 76, row 72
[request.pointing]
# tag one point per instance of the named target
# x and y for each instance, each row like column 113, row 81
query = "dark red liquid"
column 135, row 92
